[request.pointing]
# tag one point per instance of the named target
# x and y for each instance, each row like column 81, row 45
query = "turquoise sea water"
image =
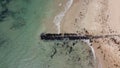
column 21, row 22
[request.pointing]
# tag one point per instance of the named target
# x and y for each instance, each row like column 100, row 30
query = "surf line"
column 93, row 51
column 59, row 17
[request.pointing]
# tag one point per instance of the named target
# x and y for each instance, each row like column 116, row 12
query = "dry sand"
column 97, row 17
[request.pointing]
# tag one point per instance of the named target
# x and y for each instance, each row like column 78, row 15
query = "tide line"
column 59, row 17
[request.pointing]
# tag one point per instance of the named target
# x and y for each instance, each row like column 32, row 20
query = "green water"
column 20, row 46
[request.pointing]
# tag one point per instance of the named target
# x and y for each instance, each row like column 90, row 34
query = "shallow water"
column 21, row 22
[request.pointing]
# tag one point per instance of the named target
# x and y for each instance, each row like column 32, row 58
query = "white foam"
column 59, row 17
column 60, row 4
column 89, row 44
column 93, row 52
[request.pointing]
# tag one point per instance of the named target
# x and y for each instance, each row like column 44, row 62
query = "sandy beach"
column 23, row 24
column 97, row 17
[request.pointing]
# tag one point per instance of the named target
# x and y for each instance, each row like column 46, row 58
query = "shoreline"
column 58, row 18
column 95, row 17
column 57, row 7
column 66, row 19
column 101, row 17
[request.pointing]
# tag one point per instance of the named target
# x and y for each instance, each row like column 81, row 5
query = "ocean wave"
column 59, row 17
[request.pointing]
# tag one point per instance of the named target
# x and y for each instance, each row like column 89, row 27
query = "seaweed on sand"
column 54, row 52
